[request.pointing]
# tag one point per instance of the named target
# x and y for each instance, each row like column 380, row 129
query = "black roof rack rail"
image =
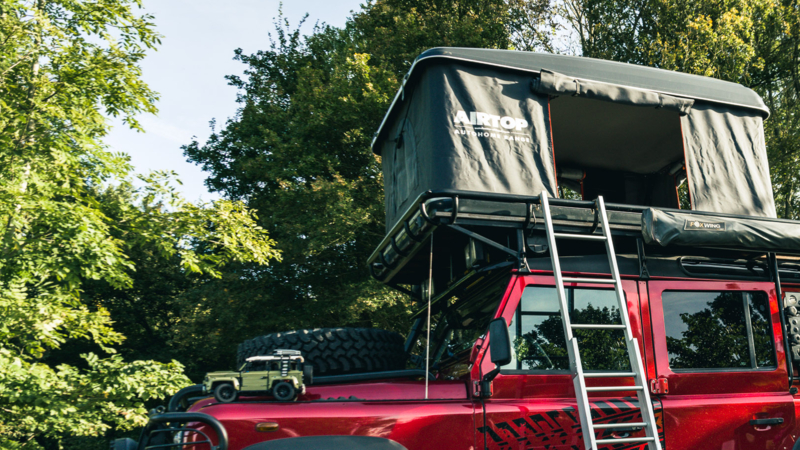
column 477, row 214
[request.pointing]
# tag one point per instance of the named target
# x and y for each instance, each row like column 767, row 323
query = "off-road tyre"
column 225, row 393
column 334, row 351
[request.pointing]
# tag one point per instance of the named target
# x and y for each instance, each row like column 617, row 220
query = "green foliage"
column 176, row 247
column 64, row 67
column 298, row 151
column 395, row 32
column 752, row 42
column 63, row 400
column 6, row 444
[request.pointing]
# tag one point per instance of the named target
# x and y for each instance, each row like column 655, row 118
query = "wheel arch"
column 232, row 381
column 329, row 443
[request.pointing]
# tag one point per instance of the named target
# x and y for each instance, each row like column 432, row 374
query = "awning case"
column 523, row 123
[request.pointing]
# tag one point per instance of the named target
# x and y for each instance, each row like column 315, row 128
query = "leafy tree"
column 298, row 151
column 64, row 67
column 395, row 32
column 152, row 312
column 752, row 42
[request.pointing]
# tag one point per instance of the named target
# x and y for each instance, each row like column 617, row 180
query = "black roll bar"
column 153, row 427
column 176, row 403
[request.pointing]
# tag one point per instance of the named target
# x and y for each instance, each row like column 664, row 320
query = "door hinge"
column 482, row 389
column 659, row 385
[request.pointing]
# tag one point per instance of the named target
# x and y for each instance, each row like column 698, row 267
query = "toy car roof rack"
column 282, row 352
column 492, row 218
column 278, row 356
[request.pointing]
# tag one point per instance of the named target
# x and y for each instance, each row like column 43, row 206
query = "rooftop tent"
column 522, row 123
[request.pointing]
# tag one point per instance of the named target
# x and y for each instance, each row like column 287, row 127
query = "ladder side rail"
column 576, row 369
column 646, row 407
column 634, row 354
column 612, row 263
column 562, row 296
column 584, row 407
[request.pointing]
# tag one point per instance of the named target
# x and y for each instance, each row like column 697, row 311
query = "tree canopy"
column 298, row 149
column 65, row 67
column 298, row 152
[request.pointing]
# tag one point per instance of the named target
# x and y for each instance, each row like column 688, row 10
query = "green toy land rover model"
column 282, row 375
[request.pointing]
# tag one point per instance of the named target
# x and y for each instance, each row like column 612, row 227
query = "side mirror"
column 500, row 342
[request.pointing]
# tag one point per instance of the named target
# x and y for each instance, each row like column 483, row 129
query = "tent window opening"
column 628, row 154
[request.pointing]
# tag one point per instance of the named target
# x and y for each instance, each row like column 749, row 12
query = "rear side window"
column 537, row 332
column 718, row 330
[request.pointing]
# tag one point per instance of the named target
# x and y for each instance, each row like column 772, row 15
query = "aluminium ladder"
column 588, row 428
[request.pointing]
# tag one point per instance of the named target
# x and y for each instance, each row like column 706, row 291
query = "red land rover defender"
column 566, row 301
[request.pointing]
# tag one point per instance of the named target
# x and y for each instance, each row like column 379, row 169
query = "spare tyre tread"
column 334, row 351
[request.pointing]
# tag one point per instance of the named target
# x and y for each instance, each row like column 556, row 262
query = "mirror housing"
column 500, row 342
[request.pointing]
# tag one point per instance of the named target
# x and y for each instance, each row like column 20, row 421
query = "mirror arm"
column 492, row 374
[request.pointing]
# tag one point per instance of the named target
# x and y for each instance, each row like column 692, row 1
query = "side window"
column 537, row 333
column 710, row 330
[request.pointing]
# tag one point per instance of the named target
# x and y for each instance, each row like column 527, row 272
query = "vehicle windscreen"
column 456, row 327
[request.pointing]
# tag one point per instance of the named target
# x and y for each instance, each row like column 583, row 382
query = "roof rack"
column 506, row 223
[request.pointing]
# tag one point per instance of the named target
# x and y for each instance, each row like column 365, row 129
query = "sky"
column 188, row 70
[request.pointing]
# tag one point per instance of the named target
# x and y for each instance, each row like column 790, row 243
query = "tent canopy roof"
column 629, row 75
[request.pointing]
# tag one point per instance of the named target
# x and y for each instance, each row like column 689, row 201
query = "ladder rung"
column 589, row 280
column 624, row 440
column 588, row 237
column 597, row 327
column 619, row 425
column 608, row 374
column 613, row 388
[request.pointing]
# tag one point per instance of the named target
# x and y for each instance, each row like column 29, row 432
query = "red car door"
column 533, row 404
column 720, row 358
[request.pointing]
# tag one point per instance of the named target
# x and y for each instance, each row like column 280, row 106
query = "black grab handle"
column 775, row 421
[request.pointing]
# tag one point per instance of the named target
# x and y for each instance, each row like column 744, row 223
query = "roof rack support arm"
column 408, row 292
column 522, row 243
column 776, row 277
column 644, row 274
column 485, row 240
column 416, row 327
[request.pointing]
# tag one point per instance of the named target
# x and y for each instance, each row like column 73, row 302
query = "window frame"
column 750, row 336
column 713, row 381
column 516, row 311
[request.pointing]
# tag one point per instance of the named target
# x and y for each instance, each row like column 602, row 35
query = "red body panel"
column 715, row 408
column 537, row 410
column 446, row 424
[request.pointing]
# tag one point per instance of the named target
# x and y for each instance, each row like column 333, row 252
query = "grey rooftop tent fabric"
column 609, row 72
column 553, row 83
column 724, row 150
column 467, row 128
column 726, row 161
column 481, row 120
